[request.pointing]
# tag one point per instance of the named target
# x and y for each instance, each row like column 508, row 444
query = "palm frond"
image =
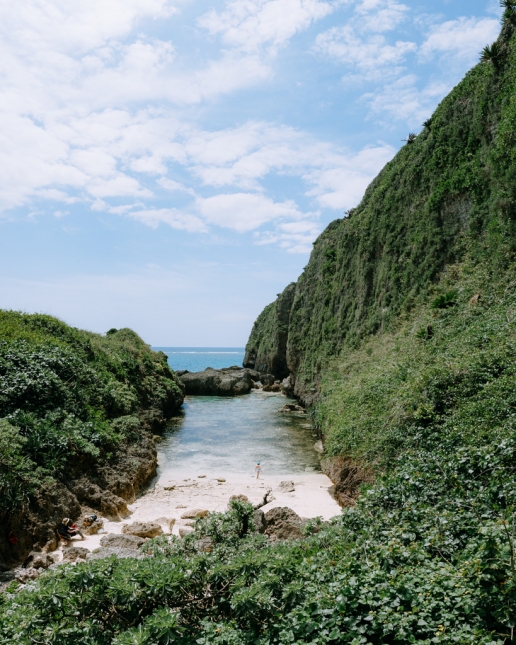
column 411, row 138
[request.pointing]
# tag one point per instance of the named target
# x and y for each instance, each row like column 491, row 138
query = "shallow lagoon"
column 215, row 435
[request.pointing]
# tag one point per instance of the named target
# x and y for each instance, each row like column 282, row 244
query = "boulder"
column 267, row 379
column 194, row 513
column 119, row 552
column 282, row 523
column 205, row 544
column 184, row 531
column 74, row 553
column 254, row 374
column 114, row 540
column 166, row 524
column 287, row 385
column 143, row 529
column 286, row 487
column 240, row 498
column 39, row 560
column 25, row 575
column 259, row 521
column 88, row 525
column 225, row 382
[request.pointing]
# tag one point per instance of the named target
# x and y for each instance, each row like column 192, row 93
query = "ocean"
column 196, row 359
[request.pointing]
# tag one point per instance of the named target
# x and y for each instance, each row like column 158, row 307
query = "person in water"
column 258, row 470
column 68, row 530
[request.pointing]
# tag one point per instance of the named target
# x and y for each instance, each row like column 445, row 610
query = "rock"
column 276, row 387
column 166, row 524
column 114, row 540
column 194, row 513
column 38, row 560
column 259, row 521
column 205, row 545
column 254, row 374
column 240, row 498
column 266, row 350
column 256, row 386
column 168, row 487
column 88, row 525
column 288, row 407
column 225, row 382
column 119, row 552
column 287, row 385
column 267, row 388
column 25, row 575
column 267, row 379
column 286, row 487
column 201, row 476
column 110, row 505
column 282, row 523
column 221, row 480
column 184, row 531
column 347, row 477
column 142, row 529
column 74, row 553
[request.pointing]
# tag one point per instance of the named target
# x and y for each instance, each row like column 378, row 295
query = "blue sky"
column 166, row 164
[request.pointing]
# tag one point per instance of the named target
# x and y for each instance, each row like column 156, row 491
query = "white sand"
column 311, row 498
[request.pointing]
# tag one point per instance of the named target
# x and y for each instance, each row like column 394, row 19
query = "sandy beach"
column 171, row 498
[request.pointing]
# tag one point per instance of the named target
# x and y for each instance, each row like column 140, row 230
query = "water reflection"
column 217, row 435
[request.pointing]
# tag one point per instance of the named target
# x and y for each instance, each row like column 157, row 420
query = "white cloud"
column 381, row 15
column 250, row 24
column 342, row 187
column 170, row 216
column 245, row 212
column 462, row 38
column 403, row 101
column 368, row 54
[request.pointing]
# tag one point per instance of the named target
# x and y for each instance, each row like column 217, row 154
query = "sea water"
column 215, row 435
column 196, row 359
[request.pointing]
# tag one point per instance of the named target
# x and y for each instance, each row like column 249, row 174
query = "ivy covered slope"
column 76, row 414
column 450, row 189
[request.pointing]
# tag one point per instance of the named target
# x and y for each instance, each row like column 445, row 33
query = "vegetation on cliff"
column 448, row 191
column 404, row 327
column 71, row 400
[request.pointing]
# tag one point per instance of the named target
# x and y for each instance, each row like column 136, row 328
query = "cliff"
column 77, row 413
column 448, row 192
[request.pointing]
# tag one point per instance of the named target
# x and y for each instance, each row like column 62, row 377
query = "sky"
column 165, row 165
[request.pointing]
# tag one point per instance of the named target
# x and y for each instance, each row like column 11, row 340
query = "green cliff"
column 403, row 330
column 448, row 193
column 77, row 411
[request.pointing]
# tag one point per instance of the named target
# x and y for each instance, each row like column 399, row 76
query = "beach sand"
column 170, row 498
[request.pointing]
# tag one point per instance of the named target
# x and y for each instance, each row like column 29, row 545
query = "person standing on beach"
column 258, row 470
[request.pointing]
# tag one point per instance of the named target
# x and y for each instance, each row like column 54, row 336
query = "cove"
column 228, row 435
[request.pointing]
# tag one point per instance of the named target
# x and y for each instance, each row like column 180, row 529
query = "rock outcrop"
column 282, row 523
column 143, row 529
column 266, row 349
column 229, row 381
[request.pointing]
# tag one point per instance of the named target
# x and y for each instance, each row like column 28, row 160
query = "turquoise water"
column 216, row 435
column 196, row 359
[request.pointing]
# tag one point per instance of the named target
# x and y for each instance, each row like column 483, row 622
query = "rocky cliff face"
column 266, row 350
column 448, row 192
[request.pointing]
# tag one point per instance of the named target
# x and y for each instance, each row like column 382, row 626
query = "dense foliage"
column 449, row 191
column 69, row 396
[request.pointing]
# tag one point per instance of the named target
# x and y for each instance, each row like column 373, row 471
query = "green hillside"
column 72, row 402
column 403, row 331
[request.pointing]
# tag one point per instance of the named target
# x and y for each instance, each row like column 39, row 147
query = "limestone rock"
column 224, row 382
column 39, row 560
column 282, row 523
column 25, row 575
column 259, row 521
column 286, row 487
column 114, row 540
column 184, row 531
column 143, row 529
column 267, row 379
column 120, row 552
column 292, row 407
column 194, row 513
column 74, row 553
column 240, row 498
column 166, row 523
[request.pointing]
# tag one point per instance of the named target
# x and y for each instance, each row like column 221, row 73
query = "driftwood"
column 265, row 500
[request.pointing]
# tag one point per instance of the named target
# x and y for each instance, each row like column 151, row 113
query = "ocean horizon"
column 196, row 359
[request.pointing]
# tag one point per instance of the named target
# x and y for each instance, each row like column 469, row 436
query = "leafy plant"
column 448, row 299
